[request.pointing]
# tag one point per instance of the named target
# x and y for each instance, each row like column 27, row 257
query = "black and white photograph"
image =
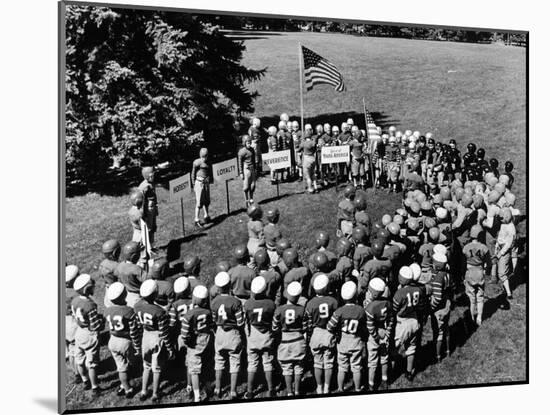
column 274, row 207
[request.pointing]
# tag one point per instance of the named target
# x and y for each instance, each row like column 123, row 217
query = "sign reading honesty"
column 334, row 154
column 179, row 186
column 225, row 170
column 277, row 159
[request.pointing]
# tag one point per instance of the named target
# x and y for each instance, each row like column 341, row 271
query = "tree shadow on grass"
column 380, row 119
column 173, row 247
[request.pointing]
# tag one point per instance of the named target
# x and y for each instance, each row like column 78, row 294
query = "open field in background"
column 408, row 82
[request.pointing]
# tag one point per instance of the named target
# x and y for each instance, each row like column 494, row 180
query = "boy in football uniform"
column 380, row 323
column 362, row 252
column 71, row 272
column 272, row 233
column 183, row 303
column 379, row 266
column 259, row 311
column 357, row 157
column 228, row 315
column 241, row 275
column 150, row 204
column 308, row 148
column 362, row 218
column 200, row 182
column 291, row 322
column 165, row 288
column 129, row 273
column 440, row 303
column 409, row 304
column 296, row 272
column 90, row 323
column 477, row 256
column 246, row 163
column 107, row 267
column 255, row 229
column 346, row 213
column 344, row 267
column 322, row 343
column 503, row 250
column 322, row 240
column 272, row 278
column 156, row 345
column 196, row 331
column 349, row 324
column 136, row 214
column 124, row 341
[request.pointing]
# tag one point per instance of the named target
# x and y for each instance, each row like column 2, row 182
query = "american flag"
column 318, row 70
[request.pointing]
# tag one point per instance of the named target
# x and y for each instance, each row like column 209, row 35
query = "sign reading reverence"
column 277, row 159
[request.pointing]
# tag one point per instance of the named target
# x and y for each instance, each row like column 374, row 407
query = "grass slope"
column 409, row 84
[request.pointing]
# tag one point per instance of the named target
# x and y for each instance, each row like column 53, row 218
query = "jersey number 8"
column 290, row 316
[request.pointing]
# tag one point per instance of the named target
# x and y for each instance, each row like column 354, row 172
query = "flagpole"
column 369, row 147
column 300, row 62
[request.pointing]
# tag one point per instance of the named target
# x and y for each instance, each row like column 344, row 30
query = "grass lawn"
column 462, row 91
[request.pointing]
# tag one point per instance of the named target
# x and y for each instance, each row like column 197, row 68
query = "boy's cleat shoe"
column 207, row 219
column 130, row 393
column 510, row 297
column 120, row 391
column 155, row 398
column 217, row 393
column 198, row 224
column 233, row 396
column 438, row 359
column 143, row 396
column 87, row 385
column 272, row 393
column 77, row 380
column 96, row 391
column 248, row 395
column 383, row 385
column 409, row 376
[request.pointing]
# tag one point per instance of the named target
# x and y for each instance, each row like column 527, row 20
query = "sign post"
column 276, row 160
column 178, row 187
column 335, row 154
column 223, row 172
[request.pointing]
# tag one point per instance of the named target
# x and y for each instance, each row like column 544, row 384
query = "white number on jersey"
column 201, row 322
column 259, row 311
column 145, row 318
column 290, row 316
column 350, row 326
column 222, row 313
column 117, row 320
column 414, row 300
column 323, row 310
column 184, row 308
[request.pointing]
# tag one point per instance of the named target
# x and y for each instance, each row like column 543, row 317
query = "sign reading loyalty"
column 277, row 159
column 180, row 186
column 335, row 154
column 225, row 170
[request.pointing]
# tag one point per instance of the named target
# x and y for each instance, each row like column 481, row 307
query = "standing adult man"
column 150, row 205
column 246, row 161
column 200, row 180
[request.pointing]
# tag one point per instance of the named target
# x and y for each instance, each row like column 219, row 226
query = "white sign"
column 334, row 154
column 225, row 170
column 277, row 159
column 179, row 186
